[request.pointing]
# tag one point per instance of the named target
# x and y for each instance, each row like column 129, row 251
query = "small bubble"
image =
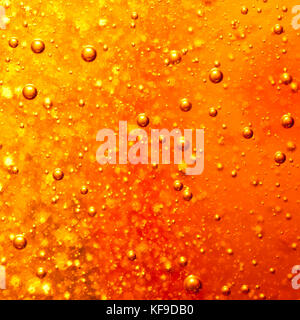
column 244, row 10
column 213, row 112
column 41, row 272
column 278, row 29
column 215, row 75
column 92, row 211
column 131, row 255
column 19, row 242
column 226, row 290
column 182, row 261
column 185, row 105
column 286, row 78
column 58, row 174
column 134, row 15
column 245, row 288
column 279, row 157
column 287, row 121
column 247, row 133
column 13, row 42
column 37, row 46
column 142, row 120
column 192, row 284
column 187, row 194
column 47, row 103
column 89, row 54
column 291, row 146
column 30, row 92
column 84, row 190
column 175, row 57
column 178, row 185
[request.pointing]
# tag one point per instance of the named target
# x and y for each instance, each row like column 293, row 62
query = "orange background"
column 255, row 242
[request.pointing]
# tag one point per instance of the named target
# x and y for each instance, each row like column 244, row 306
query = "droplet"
column 19, row 242
column 279, row 157
column 226, row 290
column 192, row 284
column 47, row 103
column 187, row 194
column 131, row 255
column 244, row 10
column 286, row 78
column 134, row 15
column 92, row 211
column 178, row 185
column 142, row 120
column 84, row 190
column 37, row 46
column 294, row 86
column 30, row 91
column 215, row 75
column 58, row 174
column 291, row 146
column 287, row 121
column 175, row 56
column 213, row 112
column 247, row 133
column 185, row 105
column 41, row 272
column 278, row 29
column 13, row 42
column 245, row 288
column 183, row 261
column 89, row 54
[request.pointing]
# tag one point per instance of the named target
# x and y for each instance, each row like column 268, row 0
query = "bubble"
column 30, row 91
column 213, row 112
column 19, row 242
column 291, row 146
column 287, row 121
column 37, row 46
column 134, row 15
column 244, row 10
column 92, row 211
column 182, row 143
column 286, row 78
column 58, row 174
column 226, row 290
column 215, row 75
column 84, row 190
column 187, row 194
column 279, row 157
column 175, row 57
column 13, row 42
column 89, row 53
column 131, row 255
column 142, row 120
column 41, row 272
column 233, row 173
column 294, row 86
column 182, row 261
column 178, row 185
column 192, row 284
column 185, row 105
column 247, row 133
column 47, row 103
column 245, row 288
column 278, row 29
